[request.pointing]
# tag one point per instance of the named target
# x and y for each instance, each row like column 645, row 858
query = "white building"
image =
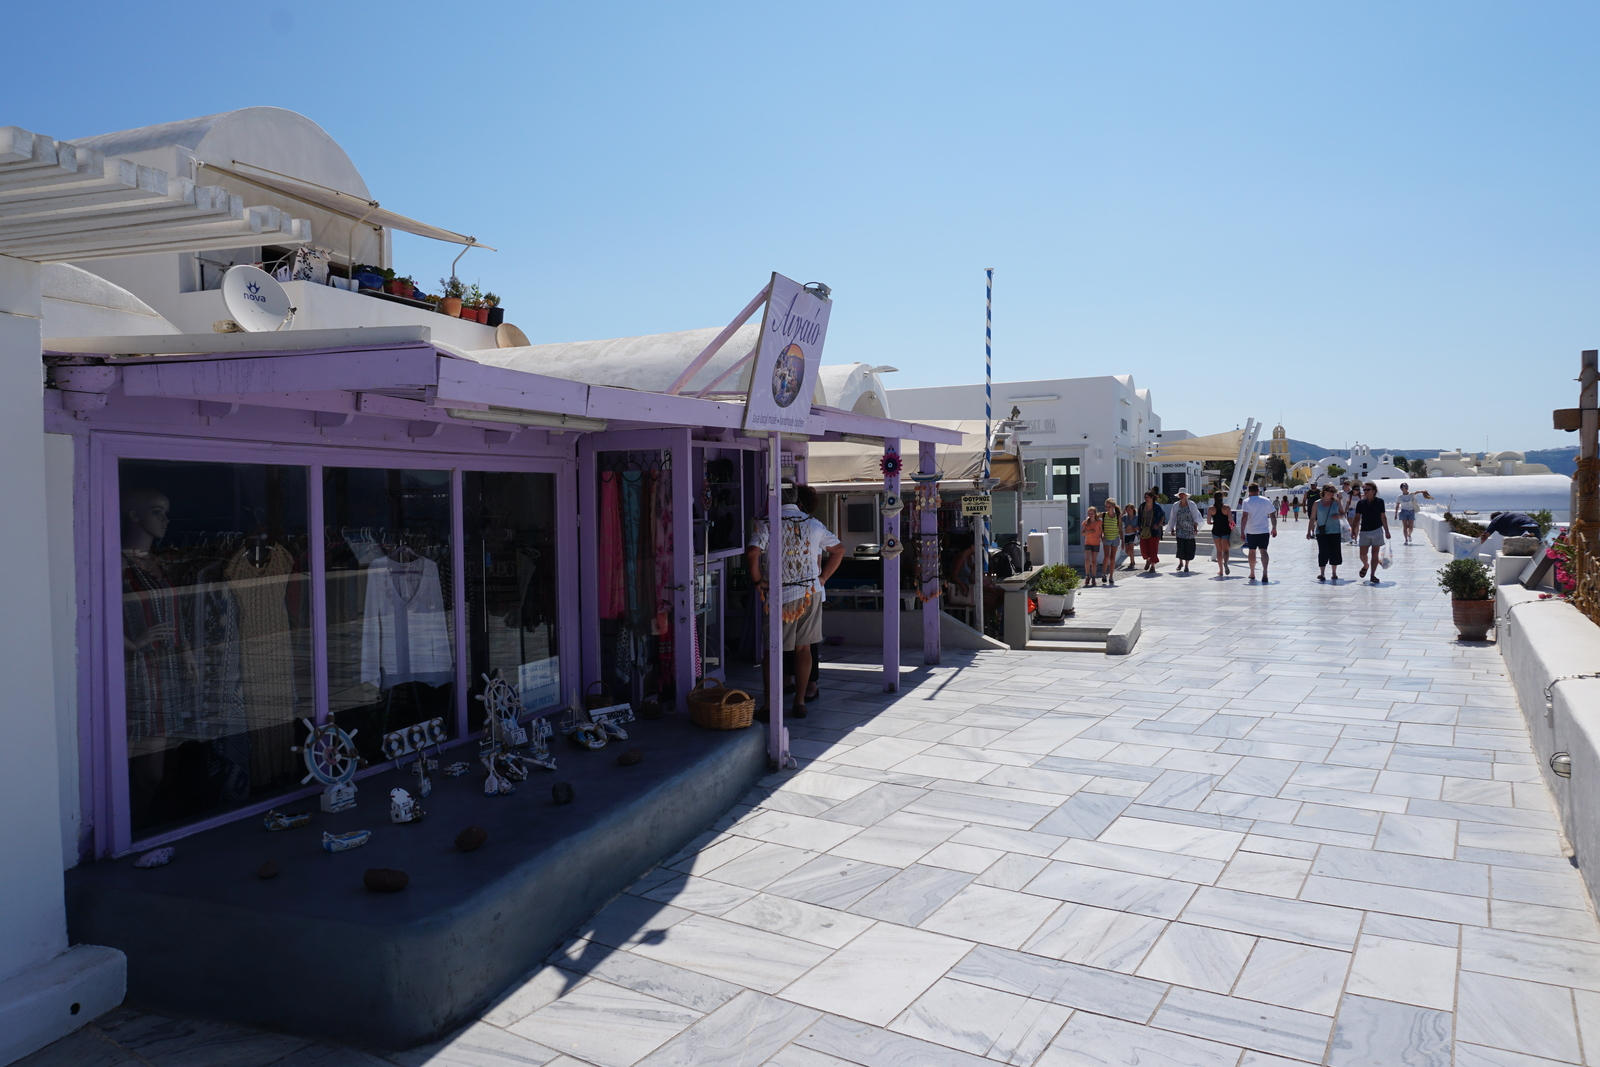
column 1083, row 440
column 1360, row 465
column 1482, row 465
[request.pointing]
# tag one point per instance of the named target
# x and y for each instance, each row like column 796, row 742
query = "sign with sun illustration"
column 787, row 356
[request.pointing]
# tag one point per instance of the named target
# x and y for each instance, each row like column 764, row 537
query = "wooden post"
column 891, row 576
column 777, row 736
column 1586, row 519
column 928, row 577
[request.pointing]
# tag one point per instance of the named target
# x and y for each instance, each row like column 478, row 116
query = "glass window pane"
column 390, row 590
column 512, row 585
column 216, row 634
column 1034, row 475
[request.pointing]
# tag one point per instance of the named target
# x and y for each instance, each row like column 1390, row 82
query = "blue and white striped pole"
column 983, row 531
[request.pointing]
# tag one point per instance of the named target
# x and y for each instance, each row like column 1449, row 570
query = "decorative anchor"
column 331, row 757
column 508, row 747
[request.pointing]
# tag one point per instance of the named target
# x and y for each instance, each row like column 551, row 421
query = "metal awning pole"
column 981, row 533
column 718, row 341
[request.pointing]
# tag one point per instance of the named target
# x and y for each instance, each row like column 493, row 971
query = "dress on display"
column 405, row 630
column 266, row 659
column 159, row 680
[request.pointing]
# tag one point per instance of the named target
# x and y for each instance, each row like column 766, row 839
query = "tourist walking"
column 1406, row 508
column 1351, row 496
column 1260, row 521
column 1283, row 507
column 1092, row 530
column 1111, row 538
column 1130, row 532
column 1325, row 521
column 1294, row 506
column 1152, row 520
column 1221, row 518
column 1185, row 525
column 1370, row 523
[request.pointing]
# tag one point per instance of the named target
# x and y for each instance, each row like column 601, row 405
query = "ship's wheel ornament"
column 331, row 758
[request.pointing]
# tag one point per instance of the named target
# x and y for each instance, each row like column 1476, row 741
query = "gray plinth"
column 314, row 952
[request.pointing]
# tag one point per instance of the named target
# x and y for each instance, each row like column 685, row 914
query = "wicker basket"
column 600, row 699
column 717, row 708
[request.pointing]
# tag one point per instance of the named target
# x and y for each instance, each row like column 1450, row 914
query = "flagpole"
column 981, row 534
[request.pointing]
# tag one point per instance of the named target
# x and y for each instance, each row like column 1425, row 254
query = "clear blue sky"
column 1378, row 219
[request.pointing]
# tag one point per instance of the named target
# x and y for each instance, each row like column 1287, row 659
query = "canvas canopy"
column 832, row 462
column 1217, row 446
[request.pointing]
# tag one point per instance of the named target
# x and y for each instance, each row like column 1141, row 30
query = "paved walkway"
column 1299, row 825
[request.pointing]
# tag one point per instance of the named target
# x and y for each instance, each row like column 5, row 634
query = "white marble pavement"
column 1299, row 825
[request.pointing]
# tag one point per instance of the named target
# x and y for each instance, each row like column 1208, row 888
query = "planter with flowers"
column 1055, row 588
column 451, row 290
column 1471, row 587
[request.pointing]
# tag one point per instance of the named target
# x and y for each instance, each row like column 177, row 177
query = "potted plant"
column 451, row 290
column 496, row 313
column 402, row 287
column 472, row 304
column 1055, row 588
column 1471, row 588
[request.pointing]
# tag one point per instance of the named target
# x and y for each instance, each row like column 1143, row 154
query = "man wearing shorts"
column 1369, row 524
column 809, row 554
column 1260, row 522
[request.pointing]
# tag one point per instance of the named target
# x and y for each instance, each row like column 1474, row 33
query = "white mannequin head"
column 146, row 514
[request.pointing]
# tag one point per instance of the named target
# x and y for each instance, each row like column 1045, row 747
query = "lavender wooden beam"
column 391, row 369
column 465, row 383
column 928, row 463
column 683, row 596
column 718, row 341
column 588, row 567
column 891, row 576
column 772, row 571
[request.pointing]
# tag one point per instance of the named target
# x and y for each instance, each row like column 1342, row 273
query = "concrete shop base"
column 314, row 952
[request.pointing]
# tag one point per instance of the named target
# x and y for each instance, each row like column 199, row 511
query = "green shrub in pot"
column 1467, row 579
column 1060, row 579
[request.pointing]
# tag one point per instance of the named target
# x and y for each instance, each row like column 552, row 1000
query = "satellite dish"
column 255, row 300
column 508, row 336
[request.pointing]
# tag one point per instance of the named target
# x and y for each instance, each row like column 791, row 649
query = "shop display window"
column 216, row 634
column 512, row 586
column 390, row 600
column 634, row 561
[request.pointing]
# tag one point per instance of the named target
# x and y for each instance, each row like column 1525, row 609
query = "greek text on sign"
column 787, row 357
column 977, row 504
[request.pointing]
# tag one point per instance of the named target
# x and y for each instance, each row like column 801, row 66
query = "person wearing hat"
column 808, row 554
column 1186, row 521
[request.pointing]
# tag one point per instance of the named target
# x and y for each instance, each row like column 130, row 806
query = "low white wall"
column 324, row 307
column 1542, row 640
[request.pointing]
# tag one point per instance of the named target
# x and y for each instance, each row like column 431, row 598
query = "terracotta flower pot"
column 1473, row 618
column 450, row 305
column 475, row 314
column 399, row 288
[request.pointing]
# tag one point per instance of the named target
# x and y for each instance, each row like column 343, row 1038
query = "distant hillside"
column 1559, row 460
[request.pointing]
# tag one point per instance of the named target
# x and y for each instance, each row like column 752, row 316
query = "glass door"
column 709, row 614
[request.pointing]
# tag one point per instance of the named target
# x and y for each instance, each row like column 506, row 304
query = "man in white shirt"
column 809, row 553
column 1260, row 524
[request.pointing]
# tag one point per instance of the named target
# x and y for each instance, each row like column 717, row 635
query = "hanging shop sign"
column 977, row 504
column 787, row 356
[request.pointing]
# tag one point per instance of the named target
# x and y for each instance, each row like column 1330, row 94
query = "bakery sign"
column 787, row 357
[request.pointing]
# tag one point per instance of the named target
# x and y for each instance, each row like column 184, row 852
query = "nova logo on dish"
column 253, row 292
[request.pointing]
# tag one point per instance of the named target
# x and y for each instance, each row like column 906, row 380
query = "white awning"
column 345, row 205
column 1217, row 446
